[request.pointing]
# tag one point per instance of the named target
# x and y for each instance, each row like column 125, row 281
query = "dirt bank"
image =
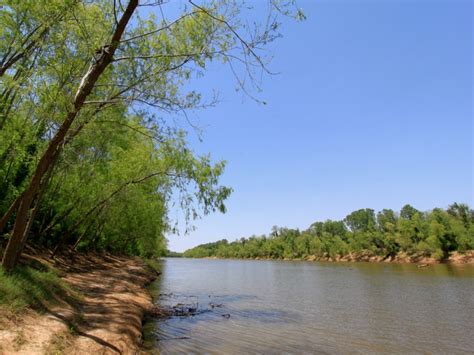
column 454, row 258
column 105, row 319
column 366, row 256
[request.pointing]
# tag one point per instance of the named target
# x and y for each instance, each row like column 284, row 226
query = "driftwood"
column 182, row 309
column 179, row 310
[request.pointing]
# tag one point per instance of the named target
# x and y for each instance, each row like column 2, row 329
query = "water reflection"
column 304, row 307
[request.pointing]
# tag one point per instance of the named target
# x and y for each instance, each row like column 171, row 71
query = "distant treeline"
column 432, row 234
column 173, row 254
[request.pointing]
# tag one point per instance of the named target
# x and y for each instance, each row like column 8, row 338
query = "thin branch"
column 166, row 27
column 115, row 13
column 103, row 102
column 153, row 137
column 178, row 55
column 236, row 34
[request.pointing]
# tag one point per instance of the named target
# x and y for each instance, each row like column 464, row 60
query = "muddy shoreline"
column 107, row 318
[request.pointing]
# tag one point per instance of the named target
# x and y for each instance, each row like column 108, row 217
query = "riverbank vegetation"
column 32, row 287
column 386, row 234
column 173, row 254
column 94, row 102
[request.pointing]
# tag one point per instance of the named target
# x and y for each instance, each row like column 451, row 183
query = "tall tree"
column 97, row 59
column 101, row 60
column 408, row 211
column 362, row 220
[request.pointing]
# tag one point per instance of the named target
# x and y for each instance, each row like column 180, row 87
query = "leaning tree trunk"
column 34, row 210
column 13, row 207
column 17, row 239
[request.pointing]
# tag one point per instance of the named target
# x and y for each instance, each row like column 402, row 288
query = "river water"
column 248, row 307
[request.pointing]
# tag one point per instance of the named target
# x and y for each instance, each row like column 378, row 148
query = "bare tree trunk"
column 16, row 242
column 13, row 207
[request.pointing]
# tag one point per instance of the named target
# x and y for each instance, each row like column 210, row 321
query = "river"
column 308, row 307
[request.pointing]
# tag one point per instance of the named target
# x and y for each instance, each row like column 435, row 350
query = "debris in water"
column 186, row 309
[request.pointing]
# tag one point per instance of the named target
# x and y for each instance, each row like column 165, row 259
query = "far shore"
column 454, row 258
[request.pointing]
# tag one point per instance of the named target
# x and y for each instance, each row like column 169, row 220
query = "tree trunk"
column 83, row 234
column 16, row 242
column 13, row 207
column 34, row 211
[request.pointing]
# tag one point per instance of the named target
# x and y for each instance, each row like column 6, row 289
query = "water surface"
column 308, row 307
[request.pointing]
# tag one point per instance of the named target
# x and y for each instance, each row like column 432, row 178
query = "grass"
column 153, row 263
column 59, row 343
column 32, row 286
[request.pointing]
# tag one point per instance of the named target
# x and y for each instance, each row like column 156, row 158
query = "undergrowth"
column 153, row 263
column 33, row 286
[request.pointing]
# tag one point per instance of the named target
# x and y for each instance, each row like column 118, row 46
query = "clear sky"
column 372, row 109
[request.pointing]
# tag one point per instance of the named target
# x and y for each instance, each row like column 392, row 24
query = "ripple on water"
column 278, row 307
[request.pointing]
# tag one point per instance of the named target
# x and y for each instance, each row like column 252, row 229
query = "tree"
column 408, row 211
column 362, row 220
column 100, row 62
column 435, row 234
column 96, row 59
column 386, row 220
column 462, row 212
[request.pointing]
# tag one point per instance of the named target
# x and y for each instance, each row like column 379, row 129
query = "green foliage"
column 30, row 287
column 408, row 211
column 434, row 234
column 173, row 254
column 117, row 161
column 124, row 162
column 361, row 220
column 128, row 181
column 153, row 264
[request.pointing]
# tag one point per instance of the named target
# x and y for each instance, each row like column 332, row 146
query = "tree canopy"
column 435, row 234
column 90, row 91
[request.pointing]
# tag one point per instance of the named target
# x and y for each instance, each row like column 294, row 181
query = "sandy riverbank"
column 105, row 319
column 402, row 258
column 455, row 258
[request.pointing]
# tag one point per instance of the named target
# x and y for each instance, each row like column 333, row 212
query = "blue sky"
column 372, row 108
